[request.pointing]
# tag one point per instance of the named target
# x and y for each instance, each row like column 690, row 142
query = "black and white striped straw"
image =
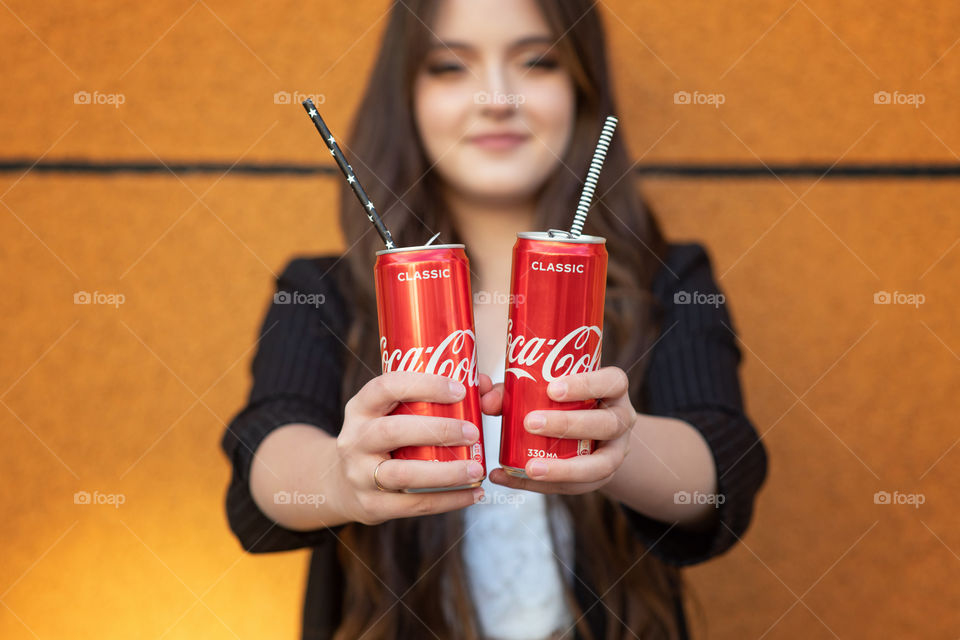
column 347, row 170
column 590, row 185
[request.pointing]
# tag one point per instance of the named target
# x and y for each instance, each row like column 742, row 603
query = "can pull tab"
column 430, row 241
column 563, row 233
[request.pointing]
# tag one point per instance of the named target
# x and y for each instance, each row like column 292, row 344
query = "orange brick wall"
column 853, row 397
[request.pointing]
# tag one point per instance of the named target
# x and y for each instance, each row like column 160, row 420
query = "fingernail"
column 536, row 422
column 477, row 495
column 475, row 470
column 538, row 469
column 456, row 388
column 558, row 389
column 470, row 432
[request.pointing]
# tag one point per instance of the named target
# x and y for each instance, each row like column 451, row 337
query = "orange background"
column 853, row 397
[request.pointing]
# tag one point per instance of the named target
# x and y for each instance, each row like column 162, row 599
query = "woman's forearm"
column 669, row 473
column 294, row 480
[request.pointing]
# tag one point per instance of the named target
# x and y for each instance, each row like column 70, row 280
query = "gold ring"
column 376, row 480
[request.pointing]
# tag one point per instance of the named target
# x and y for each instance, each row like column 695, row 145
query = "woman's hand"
column 369, row 434
column 610, row 424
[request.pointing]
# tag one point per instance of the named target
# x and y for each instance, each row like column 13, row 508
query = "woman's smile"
column 499, row 141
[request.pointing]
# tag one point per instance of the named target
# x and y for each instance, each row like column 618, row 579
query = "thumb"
column 491, row 402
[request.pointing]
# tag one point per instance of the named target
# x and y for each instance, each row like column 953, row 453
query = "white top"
column 513, row 574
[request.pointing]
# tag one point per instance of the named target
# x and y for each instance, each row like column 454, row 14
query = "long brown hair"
column 418, row 560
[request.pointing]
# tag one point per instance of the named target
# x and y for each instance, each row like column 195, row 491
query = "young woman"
column 478, row 122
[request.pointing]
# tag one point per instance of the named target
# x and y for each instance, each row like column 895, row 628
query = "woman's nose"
column 497, row 99
column 498, row 105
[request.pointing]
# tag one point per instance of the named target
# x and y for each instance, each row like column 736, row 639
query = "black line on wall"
column 660, row 170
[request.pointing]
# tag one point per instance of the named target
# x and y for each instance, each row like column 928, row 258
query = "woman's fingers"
column 397, row 476
column 501, row 477
column 485, row 383
column 381, row 395
column 406, row 430
column 587, row 424
column 608, row 382
column 491, row 402
column 400, row 475
column 599, row 465
column 568, row 475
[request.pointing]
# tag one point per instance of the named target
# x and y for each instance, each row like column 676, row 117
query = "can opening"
column 560, row 235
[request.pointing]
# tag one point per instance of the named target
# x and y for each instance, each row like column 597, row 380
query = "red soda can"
column 555, row 328
column 425, row 311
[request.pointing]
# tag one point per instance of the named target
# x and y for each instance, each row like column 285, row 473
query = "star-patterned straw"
column 347, row 170
column 593, row 174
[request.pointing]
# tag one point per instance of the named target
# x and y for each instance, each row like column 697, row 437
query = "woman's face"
column 493, row 106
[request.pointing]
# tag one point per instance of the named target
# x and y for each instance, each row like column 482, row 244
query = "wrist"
column 335, row 487
column 294, row 479
column 617, row 486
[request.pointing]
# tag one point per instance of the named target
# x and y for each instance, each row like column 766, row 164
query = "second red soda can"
column 555, row 328
column 425, row 311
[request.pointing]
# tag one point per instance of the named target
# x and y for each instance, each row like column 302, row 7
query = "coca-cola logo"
column 576, row 352
column 455, row 357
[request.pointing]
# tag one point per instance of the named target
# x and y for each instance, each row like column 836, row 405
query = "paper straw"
column 347, row 170
column 593, row 174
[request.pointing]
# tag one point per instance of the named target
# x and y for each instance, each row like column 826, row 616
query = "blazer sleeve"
column 296, row 379
column 692, row 375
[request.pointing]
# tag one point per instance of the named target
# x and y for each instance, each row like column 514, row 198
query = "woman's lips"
column 499, row 141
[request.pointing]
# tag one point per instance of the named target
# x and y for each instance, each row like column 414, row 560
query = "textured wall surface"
column 129, row 401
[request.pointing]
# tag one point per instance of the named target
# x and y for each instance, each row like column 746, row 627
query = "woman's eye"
column 441, row 68
column 541, row 62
